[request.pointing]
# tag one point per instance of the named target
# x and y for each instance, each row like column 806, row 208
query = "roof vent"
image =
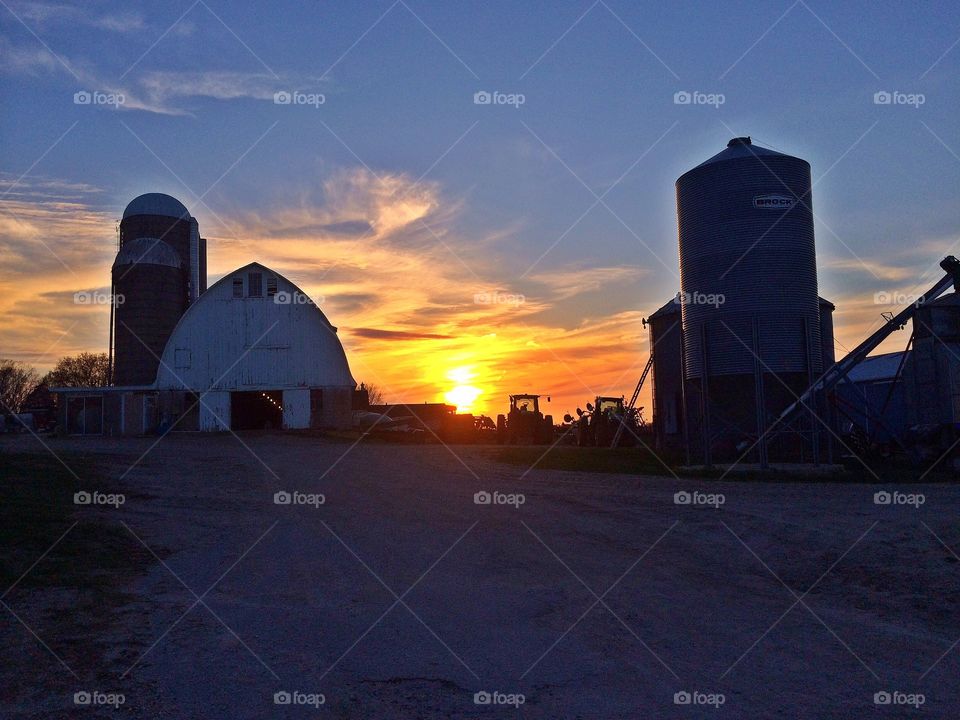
column 740, row 141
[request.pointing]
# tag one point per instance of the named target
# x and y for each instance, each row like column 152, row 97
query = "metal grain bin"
column 747, row 252
column 750, row 309
column 932, row 372
column 667, row 376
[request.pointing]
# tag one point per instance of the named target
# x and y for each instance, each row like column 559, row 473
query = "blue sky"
column 498, row 190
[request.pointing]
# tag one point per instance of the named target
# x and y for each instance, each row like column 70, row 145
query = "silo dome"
column 748, row 263
column 156, row 204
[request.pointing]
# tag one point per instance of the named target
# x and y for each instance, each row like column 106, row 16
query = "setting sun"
column 463, row 394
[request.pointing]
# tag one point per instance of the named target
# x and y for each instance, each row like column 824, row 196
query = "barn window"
column 255, row 284
column 238, row 287
column 271, row 286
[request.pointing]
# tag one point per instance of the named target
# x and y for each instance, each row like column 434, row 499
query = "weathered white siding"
column 253, row 343
column 296, row 408
column 215, row 411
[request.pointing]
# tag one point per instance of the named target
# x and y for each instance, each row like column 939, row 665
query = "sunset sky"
column 473, row 249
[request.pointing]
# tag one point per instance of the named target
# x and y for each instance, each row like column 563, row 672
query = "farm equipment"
column 603, row 423
column 524, row 424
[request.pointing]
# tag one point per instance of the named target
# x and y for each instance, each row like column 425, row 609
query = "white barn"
column 261, row 353
column 253, row 351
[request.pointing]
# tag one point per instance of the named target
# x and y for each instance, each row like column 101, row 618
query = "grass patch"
column 629, row 461
column 36, row 508
column 76, row 593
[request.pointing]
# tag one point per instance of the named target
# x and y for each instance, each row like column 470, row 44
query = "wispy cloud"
column 161, row 92
column 572, row 281
column 396, row 334
column 42, row 15
column 162, row 87
column 872, row 268
column 120, row 22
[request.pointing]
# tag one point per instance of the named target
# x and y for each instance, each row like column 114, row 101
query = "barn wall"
column 132, row 413
column 215, row 411
column 337, row 409
column 296, row 408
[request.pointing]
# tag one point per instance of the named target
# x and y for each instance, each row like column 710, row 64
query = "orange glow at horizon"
column 413, row 322
column 463, row 394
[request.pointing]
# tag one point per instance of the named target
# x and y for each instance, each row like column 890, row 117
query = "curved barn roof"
column 156, row 204
column 230, row 340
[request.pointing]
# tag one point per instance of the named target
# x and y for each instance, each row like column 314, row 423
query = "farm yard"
column 212, row 573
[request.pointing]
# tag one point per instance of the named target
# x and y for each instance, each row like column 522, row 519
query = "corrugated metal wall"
column 759, row 259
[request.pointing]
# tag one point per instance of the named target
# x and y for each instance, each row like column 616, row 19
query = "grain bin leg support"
column 704, row 396
column 811, row 377
column 683, row 396
column 759, row 400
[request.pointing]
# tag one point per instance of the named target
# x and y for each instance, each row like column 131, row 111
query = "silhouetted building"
column 251, row 352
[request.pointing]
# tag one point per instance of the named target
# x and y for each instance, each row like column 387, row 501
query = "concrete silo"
column 750, row 310
column 160, row 269
column 150, row 290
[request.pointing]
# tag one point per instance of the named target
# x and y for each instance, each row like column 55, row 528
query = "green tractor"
column 525, row 424
column 599, row 425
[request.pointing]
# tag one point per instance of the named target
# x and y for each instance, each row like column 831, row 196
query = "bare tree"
column 17, row 381
column 374, row 393
column 83, row 370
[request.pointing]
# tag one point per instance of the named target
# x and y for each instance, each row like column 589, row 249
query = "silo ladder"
column 633, row 401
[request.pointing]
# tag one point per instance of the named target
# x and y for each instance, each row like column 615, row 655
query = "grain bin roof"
column 739, row 148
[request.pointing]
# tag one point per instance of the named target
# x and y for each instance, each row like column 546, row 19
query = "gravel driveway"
column 383, row 589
